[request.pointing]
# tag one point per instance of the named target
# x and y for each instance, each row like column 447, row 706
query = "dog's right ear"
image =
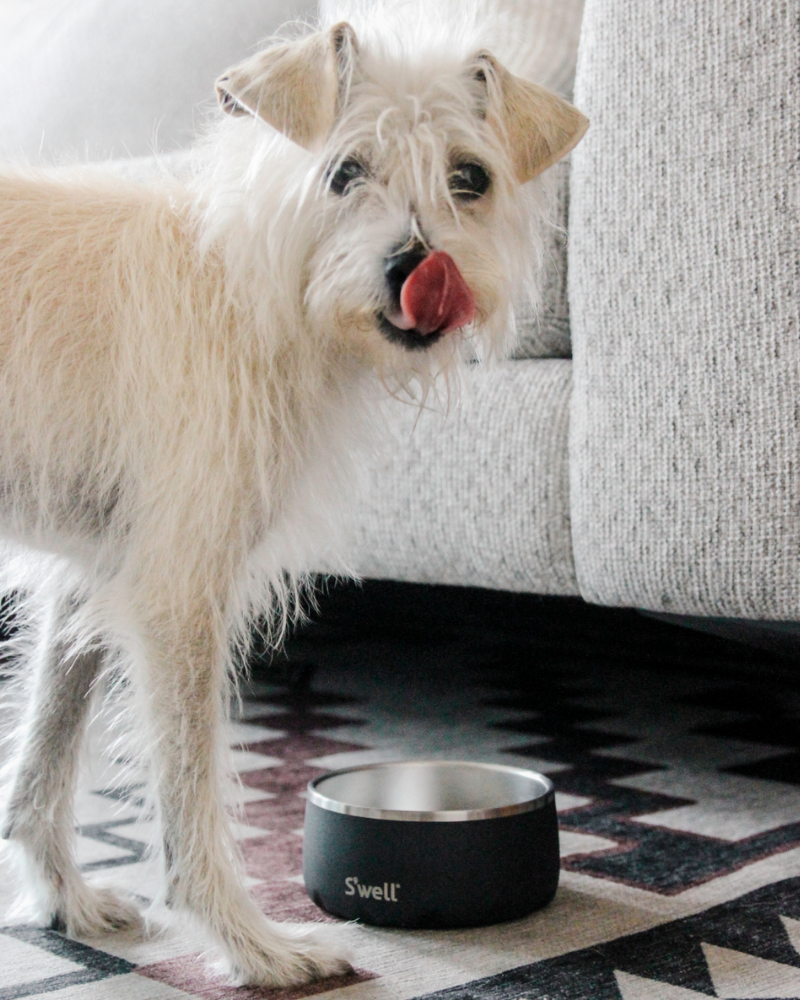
column 294, row 86
column 537, row 125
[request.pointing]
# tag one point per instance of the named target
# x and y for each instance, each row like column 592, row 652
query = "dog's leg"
column 38, row 818
column 183, row 684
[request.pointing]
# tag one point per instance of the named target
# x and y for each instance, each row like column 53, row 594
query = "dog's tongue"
column 435, row 296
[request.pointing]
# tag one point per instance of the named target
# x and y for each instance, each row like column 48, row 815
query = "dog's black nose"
column 400, row 263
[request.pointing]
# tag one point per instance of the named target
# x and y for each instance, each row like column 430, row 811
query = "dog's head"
column 425, row 228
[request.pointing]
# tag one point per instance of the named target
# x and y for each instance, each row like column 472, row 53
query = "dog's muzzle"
column 429, row 297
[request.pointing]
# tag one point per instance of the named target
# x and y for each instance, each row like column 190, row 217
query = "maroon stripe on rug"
column 188, row 973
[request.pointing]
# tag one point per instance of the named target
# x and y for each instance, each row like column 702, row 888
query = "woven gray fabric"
column 538, row 39
column 480, row 497
column 547, row 334
column 684, row 303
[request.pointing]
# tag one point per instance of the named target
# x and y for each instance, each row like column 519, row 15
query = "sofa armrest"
column 684, row 267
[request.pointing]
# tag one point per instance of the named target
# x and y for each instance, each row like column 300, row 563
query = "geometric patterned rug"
column 677, row 768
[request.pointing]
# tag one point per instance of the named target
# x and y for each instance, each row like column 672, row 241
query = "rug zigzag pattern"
column 679, row 806
column 698, row 956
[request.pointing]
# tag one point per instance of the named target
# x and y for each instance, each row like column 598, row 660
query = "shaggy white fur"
column 184, row 368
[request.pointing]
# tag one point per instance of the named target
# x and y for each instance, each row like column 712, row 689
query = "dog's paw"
column 93, row 911
column 286, row 956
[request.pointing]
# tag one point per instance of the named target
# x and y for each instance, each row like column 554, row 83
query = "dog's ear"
column 538, row 126
column 294, row 86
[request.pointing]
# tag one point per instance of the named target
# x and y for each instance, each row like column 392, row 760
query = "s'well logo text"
column 386, row 893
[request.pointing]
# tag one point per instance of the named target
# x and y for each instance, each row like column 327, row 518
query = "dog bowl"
column 428, row 844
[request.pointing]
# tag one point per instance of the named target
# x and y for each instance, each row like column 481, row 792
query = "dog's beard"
column 414, row 322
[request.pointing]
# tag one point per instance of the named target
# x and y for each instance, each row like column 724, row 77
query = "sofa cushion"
column 116, row 77
column 546, row 334
column 538, row 39
column 479, row 497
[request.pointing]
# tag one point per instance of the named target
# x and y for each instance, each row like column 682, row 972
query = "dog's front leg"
column 184, row 687
column 38, row 816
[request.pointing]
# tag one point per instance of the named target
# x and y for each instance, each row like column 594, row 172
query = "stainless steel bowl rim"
column 541, row 800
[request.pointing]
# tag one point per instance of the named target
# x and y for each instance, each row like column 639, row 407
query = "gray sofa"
column 685, row 290
column 659, row 467
column 641, row 449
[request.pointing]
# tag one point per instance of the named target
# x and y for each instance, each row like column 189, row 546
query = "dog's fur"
column 182, row 366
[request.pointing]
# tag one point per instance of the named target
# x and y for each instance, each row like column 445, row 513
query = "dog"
column 185, row 367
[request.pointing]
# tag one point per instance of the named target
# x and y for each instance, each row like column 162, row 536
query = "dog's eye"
column 469, row 181
column 345, row 174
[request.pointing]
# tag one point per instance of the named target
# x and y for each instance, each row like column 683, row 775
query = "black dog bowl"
column 431, row 843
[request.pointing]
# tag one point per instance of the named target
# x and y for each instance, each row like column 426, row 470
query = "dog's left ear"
column 538, row 126
column 294, row 86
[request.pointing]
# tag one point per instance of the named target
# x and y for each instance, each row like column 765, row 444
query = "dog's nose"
column 399, row 265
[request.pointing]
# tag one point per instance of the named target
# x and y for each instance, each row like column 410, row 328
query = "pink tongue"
column 435, row 296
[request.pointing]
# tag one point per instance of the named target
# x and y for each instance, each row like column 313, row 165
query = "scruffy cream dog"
column 182, row 368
